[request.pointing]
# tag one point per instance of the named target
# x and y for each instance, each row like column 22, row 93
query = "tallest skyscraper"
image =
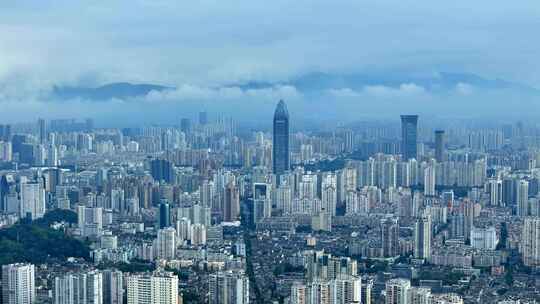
column 280, row 145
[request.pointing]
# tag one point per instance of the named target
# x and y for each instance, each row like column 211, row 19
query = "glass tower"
column 164, row 215
column 280, row 145
column 409, row 131
column 439, row 145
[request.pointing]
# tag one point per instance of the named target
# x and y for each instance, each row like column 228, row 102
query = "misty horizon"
column 339, row 62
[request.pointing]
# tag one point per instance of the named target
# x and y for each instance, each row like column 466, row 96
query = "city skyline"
column 244, row 152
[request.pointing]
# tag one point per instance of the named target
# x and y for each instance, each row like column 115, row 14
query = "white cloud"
column 404, row 90
column 380, row 91
column 213, row 42
column 223, row 94
column 344, row 93
column 464, row 88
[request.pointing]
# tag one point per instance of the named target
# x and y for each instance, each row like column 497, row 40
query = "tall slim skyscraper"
column 231, row 204
column 280, row 144
column 429, row 179
column 409, row 134
column 42, row 129
column 18, row 286
column 422, row 238
column 390, row 237
column 523, row 198
column 439, row 145
column 530, row 245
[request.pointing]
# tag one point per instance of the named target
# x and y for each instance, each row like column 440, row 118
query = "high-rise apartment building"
column 90, row 220
column 32, row 200
column 484, row 238
column 231, row 203
column 530, row 242
column 397, row 291
column 79, row 288
column 166, row 243
column 159, row 287
column 420, row 295
column 113, row 289
column 228, row 287
column 429, row 179
column 18, row 284
column 262, row 201
column 422, row 238
column 390, row 237
column 523, row 198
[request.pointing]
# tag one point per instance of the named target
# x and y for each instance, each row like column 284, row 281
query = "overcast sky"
column 203, row 45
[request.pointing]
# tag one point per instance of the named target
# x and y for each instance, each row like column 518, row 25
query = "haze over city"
column 278, row 152
column 332, row 61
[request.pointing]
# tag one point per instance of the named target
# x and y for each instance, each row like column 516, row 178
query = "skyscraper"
column 409, row 132
column 228, row 287
column 231, row 204
column 164, row 215
column 467, row 210
column 280, row 144
column 439, row 145
column 530, row 245
column 429, row 179
column 523, row 198
column 390, row 236
column 42, row 131
column 18, row 285
column 422, row 238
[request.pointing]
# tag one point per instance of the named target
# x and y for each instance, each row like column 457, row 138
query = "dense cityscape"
column 208, row 212
column 269, row 152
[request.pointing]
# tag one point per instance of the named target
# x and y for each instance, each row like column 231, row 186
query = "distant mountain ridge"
column 311, row 83
column 108, row 91
column 315, row 82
